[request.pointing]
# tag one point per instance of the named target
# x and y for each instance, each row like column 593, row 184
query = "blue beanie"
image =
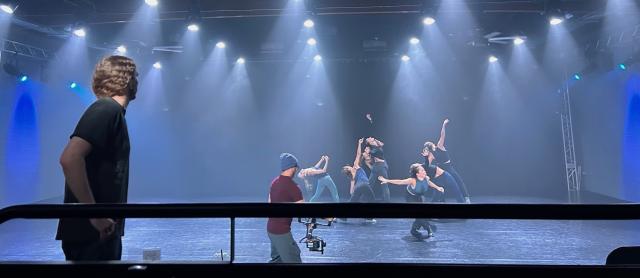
column 287, row 161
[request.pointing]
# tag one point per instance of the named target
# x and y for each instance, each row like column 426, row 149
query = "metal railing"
column 348, row 210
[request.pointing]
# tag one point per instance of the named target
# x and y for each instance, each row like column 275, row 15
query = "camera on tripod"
column 314, row 243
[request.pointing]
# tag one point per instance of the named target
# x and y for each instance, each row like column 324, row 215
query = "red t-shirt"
column 283, row 190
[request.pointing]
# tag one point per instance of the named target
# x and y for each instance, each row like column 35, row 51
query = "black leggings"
column 449, row 168
column 362, row 193
column 419, row 222
column 381, row 191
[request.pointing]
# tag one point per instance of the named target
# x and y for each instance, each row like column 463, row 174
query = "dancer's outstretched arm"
column 443, row 134
column 407, row 181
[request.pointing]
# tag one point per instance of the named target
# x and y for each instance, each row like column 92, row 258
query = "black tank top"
column 441, row 156
column 431, row 169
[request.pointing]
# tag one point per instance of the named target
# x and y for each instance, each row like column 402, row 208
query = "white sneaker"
column 370, row 221
column 467, row 200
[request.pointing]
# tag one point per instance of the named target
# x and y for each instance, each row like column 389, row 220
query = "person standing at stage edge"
column 284, row 249
column 95, row 163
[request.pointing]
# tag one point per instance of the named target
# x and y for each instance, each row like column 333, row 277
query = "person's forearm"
column 75, row 174
column 442, row 135
column 433, row 185
column 397, row 182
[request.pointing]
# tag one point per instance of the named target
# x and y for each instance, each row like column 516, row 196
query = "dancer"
column 320, row 178
column 417, row 186
column 359, row 185
column 443, row 160
column 379, row 168
column 441, row 178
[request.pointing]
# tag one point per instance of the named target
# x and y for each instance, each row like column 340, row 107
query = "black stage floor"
column 456, row 241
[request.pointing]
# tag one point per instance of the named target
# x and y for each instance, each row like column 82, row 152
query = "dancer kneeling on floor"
column 417, row 186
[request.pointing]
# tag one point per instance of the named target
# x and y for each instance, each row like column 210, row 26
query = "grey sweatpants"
column 284, row 249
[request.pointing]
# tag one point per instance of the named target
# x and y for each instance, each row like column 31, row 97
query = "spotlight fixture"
column 7, row 9
column 151, row 3
column 121, row 49
column 518, row 41
column 308, row 23
column 429, row 20
column 311, row 41
column 555, row 20
column 80, row 32
column 193, row 27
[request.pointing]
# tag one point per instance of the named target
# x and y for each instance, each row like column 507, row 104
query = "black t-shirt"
column 103, row 125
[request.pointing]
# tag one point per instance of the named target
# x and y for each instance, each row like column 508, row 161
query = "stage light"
column 622, row 66
column 151, row 3
column 414, row 40
column 7, row 9
column 121, row 49
column 518, row 41
column 405, row 58
column 577, row 76
column 157, row 65
column 73, row 85
column 80, row 32
column 23, row 78
column 428, row 20
column 311, row 41
column 555, row 20
column 317, row 58
column 193, row 27
column 221, row 45
column 240, row 60
column 493, row 59
column 308, row 23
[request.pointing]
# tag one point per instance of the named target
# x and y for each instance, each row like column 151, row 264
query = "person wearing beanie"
column 284, row 249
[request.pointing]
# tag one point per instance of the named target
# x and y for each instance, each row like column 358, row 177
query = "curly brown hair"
column 114, row 76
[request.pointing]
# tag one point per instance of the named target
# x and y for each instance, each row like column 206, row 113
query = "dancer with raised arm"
column 320, row 178
column 443, row 160
column 359, row 185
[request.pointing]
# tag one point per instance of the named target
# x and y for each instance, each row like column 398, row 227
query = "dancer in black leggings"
column 443, row 160
column 441, row 178
column 359, row 186
column 379, row 168
column 417, row 186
